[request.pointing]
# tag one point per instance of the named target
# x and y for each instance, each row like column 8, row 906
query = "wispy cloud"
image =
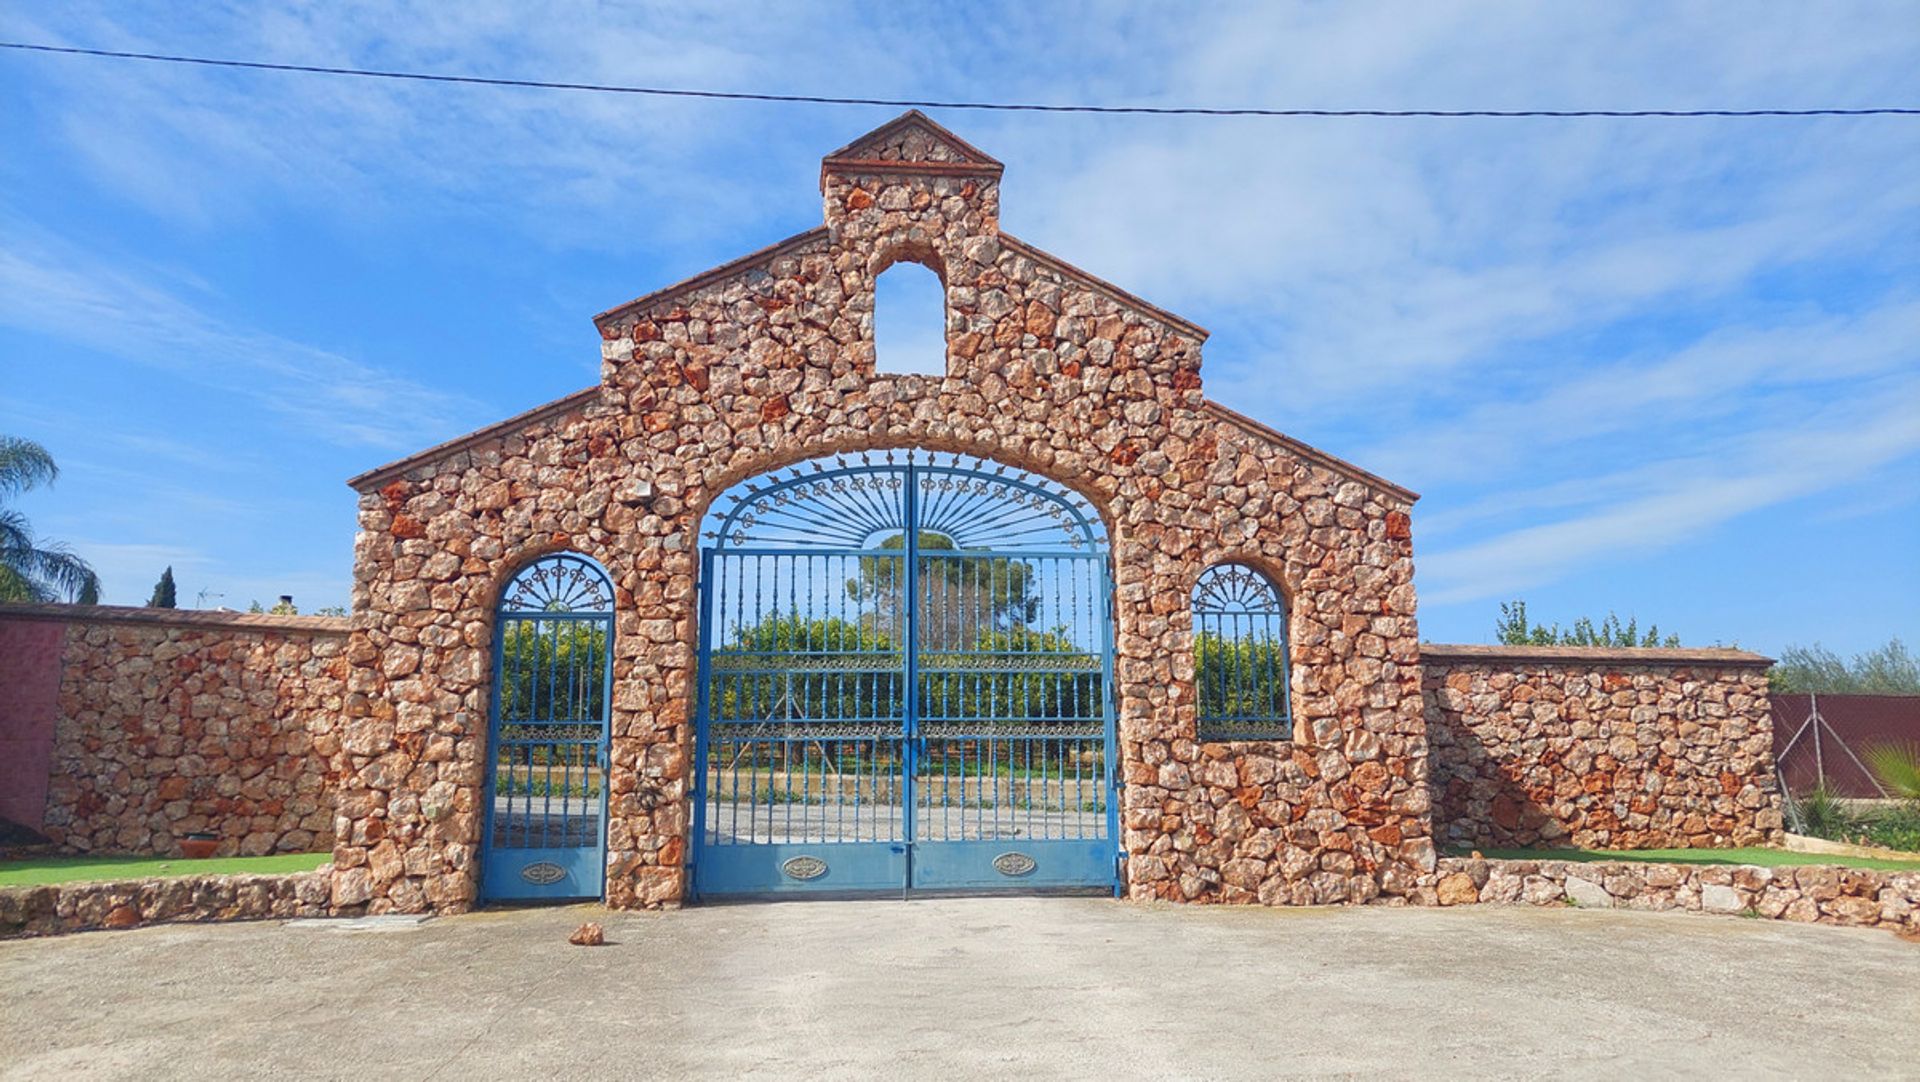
column 49, row 288
column 1728, row 379
column 199, row 145
column 1677, row 500
column 1590, row 338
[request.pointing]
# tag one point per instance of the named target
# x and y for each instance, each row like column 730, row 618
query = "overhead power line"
column 912, row 103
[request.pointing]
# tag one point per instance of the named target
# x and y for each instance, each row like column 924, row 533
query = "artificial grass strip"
column 42, row 871
column 1765, row 858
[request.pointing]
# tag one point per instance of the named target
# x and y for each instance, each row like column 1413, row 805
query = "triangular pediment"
column 910, row 139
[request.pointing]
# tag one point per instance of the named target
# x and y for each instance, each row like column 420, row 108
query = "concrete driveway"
column 1040, row 987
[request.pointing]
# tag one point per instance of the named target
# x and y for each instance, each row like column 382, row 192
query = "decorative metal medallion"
column 804, row 868
column 542, row 872
column 1014, row 864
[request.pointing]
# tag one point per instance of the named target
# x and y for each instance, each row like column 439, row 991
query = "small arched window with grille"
column 1240, row 656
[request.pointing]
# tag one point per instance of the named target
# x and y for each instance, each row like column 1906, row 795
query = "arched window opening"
column 910, row 321
column 1240, row 656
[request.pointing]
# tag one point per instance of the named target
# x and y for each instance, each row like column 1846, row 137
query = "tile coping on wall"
column 373, row 478
column 1623, row 655
column 129, row 614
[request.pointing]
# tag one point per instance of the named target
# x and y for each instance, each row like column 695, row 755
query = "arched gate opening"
column 906, row 682
column 546, row 805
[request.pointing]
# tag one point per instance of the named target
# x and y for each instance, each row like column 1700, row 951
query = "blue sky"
column 1669, row 368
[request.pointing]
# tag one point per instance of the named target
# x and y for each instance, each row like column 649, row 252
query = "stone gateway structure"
column 769, row 361
column 753, row 617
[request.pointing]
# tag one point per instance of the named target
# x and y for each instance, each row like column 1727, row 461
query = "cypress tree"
column 163, row 596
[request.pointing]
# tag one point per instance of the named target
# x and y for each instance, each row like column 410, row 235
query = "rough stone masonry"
column 770, row 360
column 767, row 361
column 126, row 729
column 1615, row 749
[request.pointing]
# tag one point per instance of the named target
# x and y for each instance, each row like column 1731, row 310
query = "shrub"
column 1818, row 814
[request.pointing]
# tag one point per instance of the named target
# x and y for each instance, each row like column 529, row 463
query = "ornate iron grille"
column 1240, row 656
column 546, row 777
column 905, row 667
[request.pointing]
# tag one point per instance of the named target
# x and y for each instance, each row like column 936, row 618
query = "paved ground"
column 1047, row 987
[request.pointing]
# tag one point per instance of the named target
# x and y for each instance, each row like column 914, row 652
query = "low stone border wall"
column 129, row 903
column 1814, row 893
column 1599, row 748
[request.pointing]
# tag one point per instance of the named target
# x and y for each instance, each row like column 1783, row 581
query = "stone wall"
column 1814, row 893
column 173, row 721
column 1600, row 748
column 770, row 360
column 79, row 907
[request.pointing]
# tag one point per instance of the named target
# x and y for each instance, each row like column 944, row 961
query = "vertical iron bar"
column 702, row 714
column 909, row 723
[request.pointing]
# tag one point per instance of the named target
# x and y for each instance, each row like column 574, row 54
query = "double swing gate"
column 905, row 683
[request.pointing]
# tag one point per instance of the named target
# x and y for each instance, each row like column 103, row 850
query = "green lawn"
column 40, row 871
column 1765, row 858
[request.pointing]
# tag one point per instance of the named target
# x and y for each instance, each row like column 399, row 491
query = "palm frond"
column 17, row 587
column 1897, row 766
column 51, row 572
column 24, row 464
column 14, row 531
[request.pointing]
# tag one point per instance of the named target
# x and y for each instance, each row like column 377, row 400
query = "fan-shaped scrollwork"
column 559, row 583
column 1232, row 588
column 860, row 502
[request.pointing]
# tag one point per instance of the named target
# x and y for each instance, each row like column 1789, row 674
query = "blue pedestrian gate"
column 906, row 674
column 546, row 804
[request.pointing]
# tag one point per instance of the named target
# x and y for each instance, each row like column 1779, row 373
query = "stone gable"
column 769, row 361
column 912, row 139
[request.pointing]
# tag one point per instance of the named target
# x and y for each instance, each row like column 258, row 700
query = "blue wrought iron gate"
column 546, row 810
column 906, row 668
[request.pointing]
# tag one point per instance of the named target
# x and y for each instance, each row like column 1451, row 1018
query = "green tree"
column 1019, row 674
column 30, row 569
column 1513, row 629
column 833, row 669
column 1886, row 670
column 961, row 596
column 163, row 592
column 553, row 671
column 1240, row 677
column 791, row 667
